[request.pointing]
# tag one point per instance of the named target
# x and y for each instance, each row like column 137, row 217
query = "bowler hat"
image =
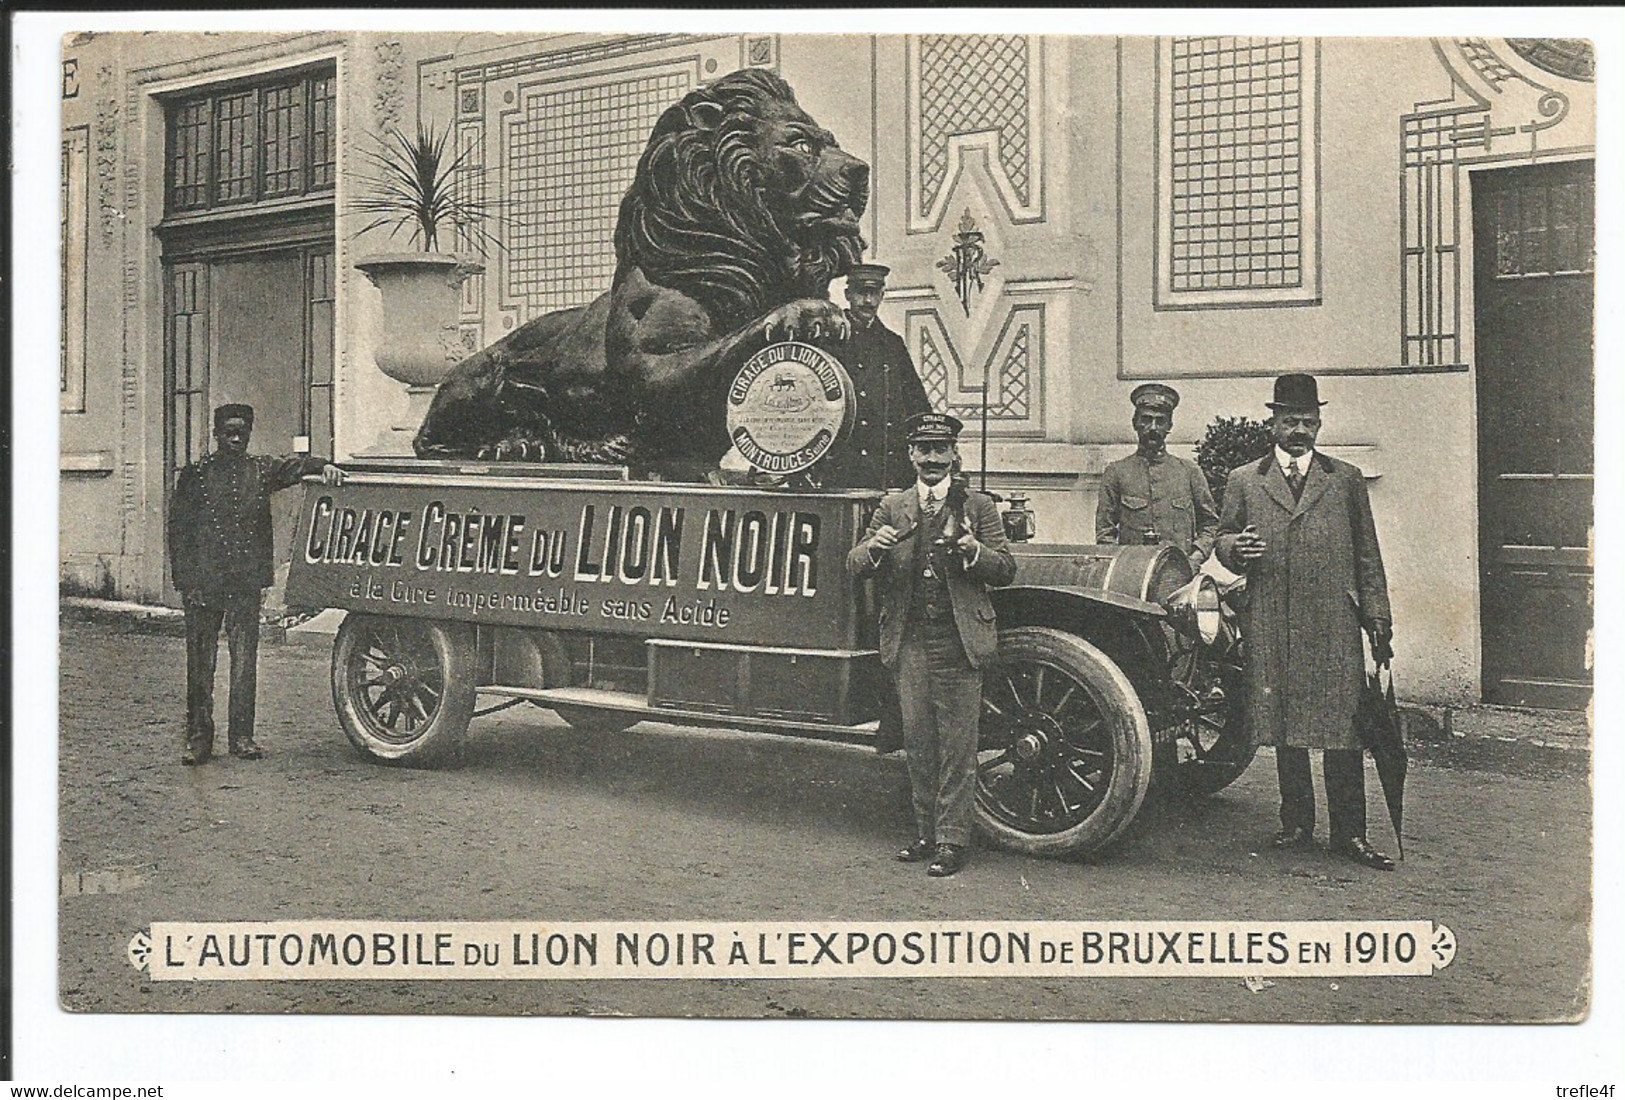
column 1296, row 391
column 1155, row 395
column 933, row 427
column 867, row 275
column 233, row 412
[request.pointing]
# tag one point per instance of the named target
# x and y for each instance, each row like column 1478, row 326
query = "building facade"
column 1065, row 218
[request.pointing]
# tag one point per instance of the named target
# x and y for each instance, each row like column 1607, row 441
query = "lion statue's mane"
column 727, row 238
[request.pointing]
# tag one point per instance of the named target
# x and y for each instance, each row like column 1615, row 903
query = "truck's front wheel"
column 1064, row 757
column 404, row 688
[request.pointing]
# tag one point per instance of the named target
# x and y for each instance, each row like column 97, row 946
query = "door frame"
column 1481, row 178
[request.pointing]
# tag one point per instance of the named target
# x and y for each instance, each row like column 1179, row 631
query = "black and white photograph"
column 858, row 520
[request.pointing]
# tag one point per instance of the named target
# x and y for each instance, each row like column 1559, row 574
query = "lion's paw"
column 808, row 319
column 515, row 448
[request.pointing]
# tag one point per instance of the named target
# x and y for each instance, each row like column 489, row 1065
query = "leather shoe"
column 1359, row 849
column 1295, row 837
column 918, row 852
column 248, row 750
column 950, row 858
column 191, row 755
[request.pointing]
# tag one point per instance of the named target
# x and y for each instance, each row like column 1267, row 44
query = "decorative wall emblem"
column 968, row 261
column 759, row 52
column 1572, row 58
column 974, row 92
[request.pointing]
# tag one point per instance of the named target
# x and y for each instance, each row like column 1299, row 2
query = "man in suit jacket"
column 938, row 548
column 1299, row 525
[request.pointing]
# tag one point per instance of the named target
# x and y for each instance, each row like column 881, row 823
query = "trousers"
column 941, row 696
column 1345, row 791
column 239, row 611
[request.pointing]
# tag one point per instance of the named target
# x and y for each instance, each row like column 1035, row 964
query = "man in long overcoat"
column 937, row 548
column 1298, row 524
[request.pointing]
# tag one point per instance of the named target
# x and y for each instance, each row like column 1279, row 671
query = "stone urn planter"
column 418, row 336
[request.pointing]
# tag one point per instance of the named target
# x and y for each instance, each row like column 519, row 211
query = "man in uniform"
column 1299, row 525
column 1152, row 496
column 887, row 389
column 937, row 549
column 220, row 559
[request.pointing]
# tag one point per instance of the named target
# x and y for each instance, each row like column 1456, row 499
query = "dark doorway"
column 255, row 328
column 1533, row 260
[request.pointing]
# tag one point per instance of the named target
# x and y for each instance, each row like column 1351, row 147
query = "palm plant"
column 414, row 186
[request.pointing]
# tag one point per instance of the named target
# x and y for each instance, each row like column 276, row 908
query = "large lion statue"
column 742, row 211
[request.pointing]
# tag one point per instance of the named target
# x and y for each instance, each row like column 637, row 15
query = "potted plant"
column 413, row 186
column 1230, row 442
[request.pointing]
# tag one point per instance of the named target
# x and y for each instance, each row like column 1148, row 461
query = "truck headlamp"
column 1193, row 609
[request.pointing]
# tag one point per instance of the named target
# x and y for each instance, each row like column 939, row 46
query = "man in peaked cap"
column 1298, row 523
column 220, row 559
column 937, row 549
column 1152, row 496
column 886, row 387
column 887, row 391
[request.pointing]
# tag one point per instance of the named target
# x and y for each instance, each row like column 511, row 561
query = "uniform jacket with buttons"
column 967, row 585
column 888, row 391
column 220, row 519
column 1320, row 579
column 1166, row 497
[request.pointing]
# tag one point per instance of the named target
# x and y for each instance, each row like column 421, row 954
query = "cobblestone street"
column 548, row 823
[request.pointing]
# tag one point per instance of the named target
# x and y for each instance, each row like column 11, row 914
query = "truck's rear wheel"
column 404, row 688
column 1064, row 757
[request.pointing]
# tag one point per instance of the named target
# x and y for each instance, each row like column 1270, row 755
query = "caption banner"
column 508, row 950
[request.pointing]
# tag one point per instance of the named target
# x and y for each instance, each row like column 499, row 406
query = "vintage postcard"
column 992, row 524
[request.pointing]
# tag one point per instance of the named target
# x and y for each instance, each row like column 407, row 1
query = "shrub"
column 1231, row 441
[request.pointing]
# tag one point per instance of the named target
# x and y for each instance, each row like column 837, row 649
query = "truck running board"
column 629, row 703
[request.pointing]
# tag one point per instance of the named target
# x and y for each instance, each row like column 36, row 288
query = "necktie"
column 931, row 506
column 1295, row 479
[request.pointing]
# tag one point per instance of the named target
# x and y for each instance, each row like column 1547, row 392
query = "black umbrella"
column 1381, row 730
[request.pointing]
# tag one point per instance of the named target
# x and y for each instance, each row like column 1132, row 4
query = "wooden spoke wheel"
column 404, row 688
column 1212, row 745
column 1064, row 756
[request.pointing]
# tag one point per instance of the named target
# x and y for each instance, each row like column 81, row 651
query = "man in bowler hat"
column 937, row 548
column 1299, row 525
column 885, row 386
column 1152, row 496
column 220, row 559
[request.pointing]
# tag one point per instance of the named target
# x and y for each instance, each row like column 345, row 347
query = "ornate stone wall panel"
column 570, row 151
column 1238, row 172
column 1010, row 364
column 974, row 92
column 1510, row 100
column 559, row 125
column 75, row 201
